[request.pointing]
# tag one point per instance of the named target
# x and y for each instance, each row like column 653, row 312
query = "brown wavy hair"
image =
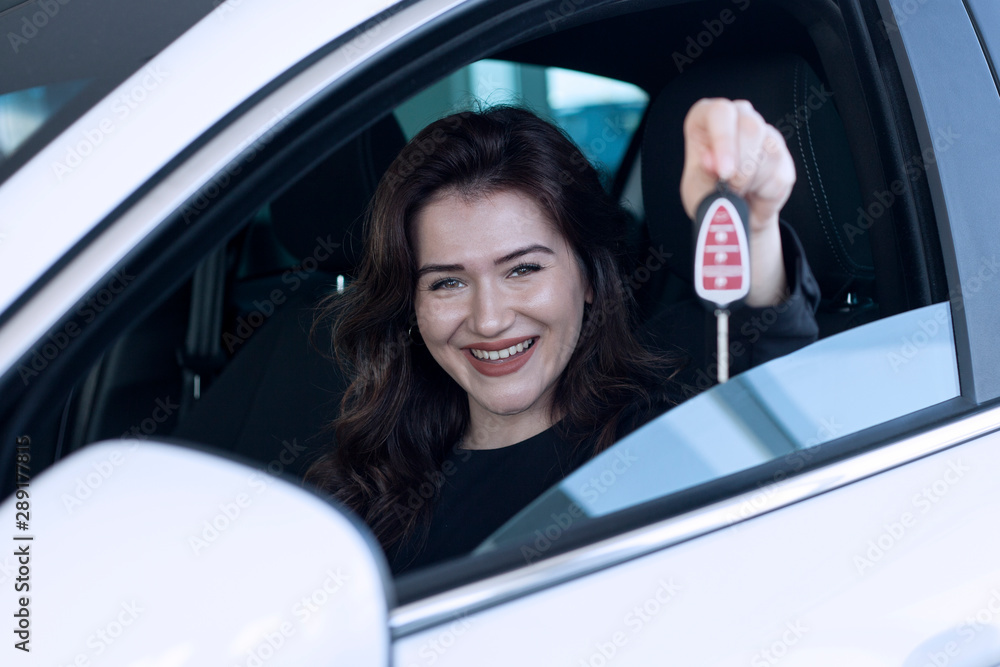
column 401, row 412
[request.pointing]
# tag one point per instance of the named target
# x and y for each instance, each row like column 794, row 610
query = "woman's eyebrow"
column 446, row 268
column 442, row 268
column 522, row 252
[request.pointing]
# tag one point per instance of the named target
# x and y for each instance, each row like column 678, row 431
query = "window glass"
column 832, row 388
column 600, row 114
column 23, row 112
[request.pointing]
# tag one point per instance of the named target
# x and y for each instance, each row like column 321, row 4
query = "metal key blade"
column 722, row 343
column 722, row 262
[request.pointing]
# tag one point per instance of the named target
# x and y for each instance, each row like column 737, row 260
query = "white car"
column 180, row 182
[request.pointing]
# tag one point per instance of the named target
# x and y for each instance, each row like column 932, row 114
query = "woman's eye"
column 524, row 269
column 446, row 283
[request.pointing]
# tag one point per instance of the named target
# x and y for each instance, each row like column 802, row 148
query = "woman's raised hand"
column 729, row 140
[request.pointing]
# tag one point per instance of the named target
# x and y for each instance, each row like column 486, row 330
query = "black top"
column 482, row 489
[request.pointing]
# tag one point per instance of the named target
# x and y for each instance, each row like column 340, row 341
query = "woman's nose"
column 491, row 312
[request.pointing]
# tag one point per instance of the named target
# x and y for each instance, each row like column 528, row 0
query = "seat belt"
column 202, row 356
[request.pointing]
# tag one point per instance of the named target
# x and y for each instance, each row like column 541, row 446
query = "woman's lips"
column 498, row 367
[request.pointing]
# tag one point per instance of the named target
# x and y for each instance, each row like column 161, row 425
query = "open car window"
column 835, row 387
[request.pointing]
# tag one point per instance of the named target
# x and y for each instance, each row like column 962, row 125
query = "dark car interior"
column 231, row 354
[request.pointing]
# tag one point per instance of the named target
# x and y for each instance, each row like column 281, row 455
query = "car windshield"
column 59, row 58
column 882, row 371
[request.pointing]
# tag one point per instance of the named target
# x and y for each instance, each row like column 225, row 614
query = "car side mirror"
column 139, row 552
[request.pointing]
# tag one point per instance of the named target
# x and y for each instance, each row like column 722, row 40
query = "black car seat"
column 273, row 400
column 826, row 198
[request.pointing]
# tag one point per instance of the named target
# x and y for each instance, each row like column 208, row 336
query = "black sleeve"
column 773, row 331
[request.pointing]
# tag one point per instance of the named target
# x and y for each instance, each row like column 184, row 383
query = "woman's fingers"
column 730, row 140
column 709, row 149
column 775, row 174
column 750, row 128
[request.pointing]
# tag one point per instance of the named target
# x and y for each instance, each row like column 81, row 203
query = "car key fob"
column 722, row 262
column 722, row 250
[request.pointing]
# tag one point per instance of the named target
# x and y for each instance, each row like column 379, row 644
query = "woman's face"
column 499, row 298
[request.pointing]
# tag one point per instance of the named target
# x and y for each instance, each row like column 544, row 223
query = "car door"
column 756, row 560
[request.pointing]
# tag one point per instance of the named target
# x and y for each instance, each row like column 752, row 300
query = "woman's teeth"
column 494, row 355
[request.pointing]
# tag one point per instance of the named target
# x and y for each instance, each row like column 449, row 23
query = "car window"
column 835, row 387
column 599, row 113
column 23, row 112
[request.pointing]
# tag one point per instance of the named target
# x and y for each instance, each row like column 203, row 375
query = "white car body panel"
column 868, row 589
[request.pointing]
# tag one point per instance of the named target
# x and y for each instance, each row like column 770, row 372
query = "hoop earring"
column 419, row 340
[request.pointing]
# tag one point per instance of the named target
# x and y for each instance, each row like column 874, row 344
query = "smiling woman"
column 487, row 309
column 489, row 335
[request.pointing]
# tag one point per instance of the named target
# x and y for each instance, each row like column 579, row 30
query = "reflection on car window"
column 837, row 386
column 600, row 114
column 23, row 112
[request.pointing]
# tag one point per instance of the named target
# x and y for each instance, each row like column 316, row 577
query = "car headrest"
column 824, row 204
column 331, row 199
